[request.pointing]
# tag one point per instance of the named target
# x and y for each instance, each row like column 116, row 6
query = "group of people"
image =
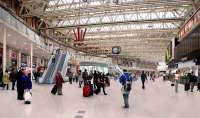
column 96, row 79
column 22, row 77
column 188, row 79
column 7, row 77
column 99, row 80
column 191, row 80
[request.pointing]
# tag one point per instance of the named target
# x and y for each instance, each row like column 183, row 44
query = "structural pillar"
column 31, row 61
column 4, row 49
column 9, row 59
column 19, row 58
column 38, row 61
column 28, row 60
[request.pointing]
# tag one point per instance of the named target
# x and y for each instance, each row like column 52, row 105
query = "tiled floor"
column 158, row 101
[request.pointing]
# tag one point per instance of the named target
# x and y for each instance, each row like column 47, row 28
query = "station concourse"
column 99, row 58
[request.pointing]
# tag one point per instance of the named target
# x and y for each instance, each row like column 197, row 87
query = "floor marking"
column 81, row 112
column 78, row 116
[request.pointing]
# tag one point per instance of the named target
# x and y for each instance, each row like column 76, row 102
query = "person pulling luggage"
column 57, row 88
column 59, row 82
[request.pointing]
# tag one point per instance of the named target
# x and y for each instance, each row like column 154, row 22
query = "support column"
column 28, row 61
column 9, row 59
column 31, row 61
column 4, row 49
column 19, row 59
column 38, row 62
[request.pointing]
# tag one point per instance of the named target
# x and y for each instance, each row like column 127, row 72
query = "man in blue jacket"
column 126, row 81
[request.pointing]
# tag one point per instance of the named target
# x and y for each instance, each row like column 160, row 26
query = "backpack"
column 128, row 86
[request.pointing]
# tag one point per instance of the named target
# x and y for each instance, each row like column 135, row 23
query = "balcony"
column 7, row 19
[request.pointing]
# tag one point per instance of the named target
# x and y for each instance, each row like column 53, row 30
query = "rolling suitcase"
column 54, row 90
column 91, row 89
column 86, row 91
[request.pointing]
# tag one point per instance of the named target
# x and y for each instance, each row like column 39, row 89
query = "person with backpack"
column 126, row 81
column 143, row 78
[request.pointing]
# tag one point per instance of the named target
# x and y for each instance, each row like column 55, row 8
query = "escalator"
column 47, row 76
column 59, row 68
column 57, row 63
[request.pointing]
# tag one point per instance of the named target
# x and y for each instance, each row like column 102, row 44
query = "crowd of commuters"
column 96, row 79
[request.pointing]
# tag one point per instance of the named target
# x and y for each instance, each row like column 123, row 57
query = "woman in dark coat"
column 20, row 86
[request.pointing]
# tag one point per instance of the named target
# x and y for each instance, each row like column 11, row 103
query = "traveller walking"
column 13, row 78
column 6, row 80
column 177, row 78
column 126, row 81
column 193, row 80
column 143, row 79
column 101, row 84
column 59, row 82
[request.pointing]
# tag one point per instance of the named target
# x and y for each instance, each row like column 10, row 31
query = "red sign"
column 193, row 22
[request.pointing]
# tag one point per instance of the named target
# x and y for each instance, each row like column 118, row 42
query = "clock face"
column 116, row 50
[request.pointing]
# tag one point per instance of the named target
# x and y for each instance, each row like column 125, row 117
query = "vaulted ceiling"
column 143, row 28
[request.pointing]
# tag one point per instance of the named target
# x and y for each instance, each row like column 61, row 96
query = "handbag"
column 27, row 96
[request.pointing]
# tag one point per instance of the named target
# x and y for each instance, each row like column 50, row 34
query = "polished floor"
column 158, row 101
